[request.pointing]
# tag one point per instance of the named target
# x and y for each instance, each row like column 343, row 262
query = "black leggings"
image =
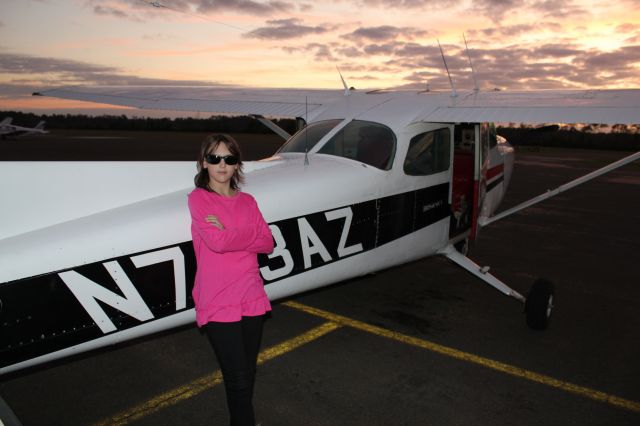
column 236, row 345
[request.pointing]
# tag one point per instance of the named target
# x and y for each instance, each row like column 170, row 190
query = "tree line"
column 617, row 137
column 226, row 124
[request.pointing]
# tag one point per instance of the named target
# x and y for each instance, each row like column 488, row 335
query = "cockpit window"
column 428, row 153
column 364, row 141
column 306, row 138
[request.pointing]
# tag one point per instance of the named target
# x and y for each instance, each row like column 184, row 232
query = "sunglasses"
column 229, row 160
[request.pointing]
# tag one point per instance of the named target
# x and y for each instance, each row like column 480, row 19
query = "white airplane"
column 10, row 130
column 375, row 179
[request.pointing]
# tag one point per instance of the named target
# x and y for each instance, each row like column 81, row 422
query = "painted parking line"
column 471, row 358
column 209, row 381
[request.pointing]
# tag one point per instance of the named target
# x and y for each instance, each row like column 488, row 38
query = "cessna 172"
column 9, row 130
column 374, row 179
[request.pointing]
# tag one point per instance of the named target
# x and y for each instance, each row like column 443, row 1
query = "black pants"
column 236, row 345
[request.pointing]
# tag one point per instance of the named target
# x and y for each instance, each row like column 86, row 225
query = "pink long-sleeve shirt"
column 228, row 284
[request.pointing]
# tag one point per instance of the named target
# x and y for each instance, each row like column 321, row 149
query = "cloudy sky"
column 514, row 44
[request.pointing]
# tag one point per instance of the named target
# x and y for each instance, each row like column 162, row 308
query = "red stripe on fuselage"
column 495, row 171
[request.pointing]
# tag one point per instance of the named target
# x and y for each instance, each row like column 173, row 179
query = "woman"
column 228, row 231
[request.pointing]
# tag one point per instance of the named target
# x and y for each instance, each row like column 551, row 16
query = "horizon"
column 131, row 114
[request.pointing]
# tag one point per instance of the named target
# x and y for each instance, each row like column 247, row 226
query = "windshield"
column 306, row 138
column 364, row 141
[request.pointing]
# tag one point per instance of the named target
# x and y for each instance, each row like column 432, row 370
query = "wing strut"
column 484, row 220
column 272, row 126
column 481, row 272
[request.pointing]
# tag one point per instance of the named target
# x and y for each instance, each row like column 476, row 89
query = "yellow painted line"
column 204, row 383
column 468, row 357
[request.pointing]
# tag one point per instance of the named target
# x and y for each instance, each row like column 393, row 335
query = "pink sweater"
column 228, row 283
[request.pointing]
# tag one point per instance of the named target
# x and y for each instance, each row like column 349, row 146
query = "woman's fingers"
column 214, row 221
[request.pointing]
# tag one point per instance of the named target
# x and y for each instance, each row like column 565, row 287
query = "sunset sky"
column 529, row 44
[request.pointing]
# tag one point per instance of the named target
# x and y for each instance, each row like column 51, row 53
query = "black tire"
column 539, row 304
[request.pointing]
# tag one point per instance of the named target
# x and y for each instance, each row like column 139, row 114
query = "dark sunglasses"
column 229, row 160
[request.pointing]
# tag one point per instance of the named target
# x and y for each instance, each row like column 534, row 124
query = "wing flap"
column 601, row 115
column 580, row 106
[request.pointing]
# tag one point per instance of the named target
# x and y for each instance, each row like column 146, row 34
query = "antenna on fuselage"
column 306, row 131
column 453, row 87
column 473, row 71
column 344, row 83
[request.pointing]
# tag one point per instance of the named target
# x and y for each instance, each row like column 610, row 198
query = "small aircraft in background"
column 372, row 179
column 8, row 130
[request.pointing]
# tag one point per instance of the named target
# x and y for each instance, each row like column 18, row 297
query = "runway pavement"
column 421, row 344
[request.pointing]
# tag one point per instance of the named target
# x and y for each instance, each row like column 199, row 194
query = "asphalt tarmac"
column 421, row 344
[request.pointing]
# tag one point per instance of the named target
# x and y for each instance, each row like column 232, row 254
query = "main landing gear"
column 537, row 305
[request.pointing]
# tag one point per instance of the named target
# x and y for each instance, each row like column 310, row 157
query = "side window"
column 364, row 141
column 428, row 153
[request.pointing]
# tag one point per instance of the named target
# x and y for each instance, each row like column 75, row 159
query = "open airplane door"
column 481, row 169
column 469, row 180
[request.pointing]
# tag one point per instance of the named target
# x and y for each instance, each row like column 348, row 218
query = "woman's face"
column 220, row 173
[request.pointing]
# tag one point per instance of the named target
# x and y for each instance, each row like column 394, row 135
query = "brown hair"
column 210, row 143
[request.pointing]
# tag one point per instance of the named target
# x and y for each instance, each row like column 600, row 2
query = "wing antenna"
column 453, row 87
column 344, row 83
column 473, row 71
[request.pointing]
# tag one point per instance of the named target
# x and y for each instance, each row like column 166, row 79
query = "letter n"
column 87, row 291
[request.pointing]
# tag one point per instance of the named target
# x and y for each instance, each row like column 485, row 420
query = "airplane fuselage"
column 115, row 260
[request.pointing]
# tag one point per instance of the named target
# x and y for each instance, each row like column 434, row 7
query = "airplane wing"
column 546, row 106
column 543, row 106
column 214, row 99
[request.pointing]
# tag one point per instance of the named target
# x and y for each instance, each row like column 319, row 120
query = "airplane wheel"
column 462, row 246
column 539, row 304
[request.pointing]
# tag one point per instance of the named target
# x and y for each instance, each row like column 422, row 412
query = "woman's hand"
column 214, row 221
